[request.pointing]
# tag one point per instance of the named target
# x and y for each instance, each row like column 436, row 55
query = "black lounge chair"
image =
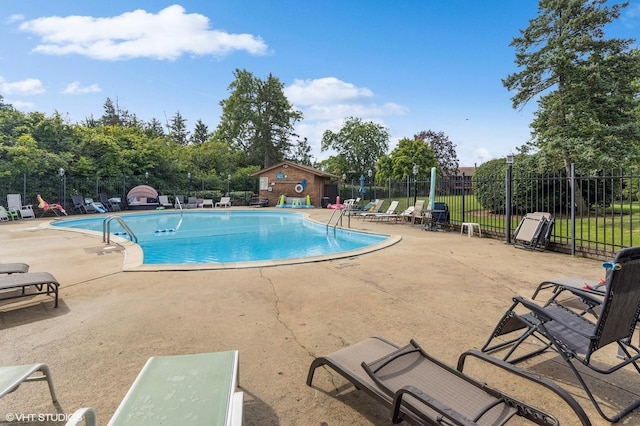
column 574, row 335
column 110, row 206
column 80, row 206
column 419, row 389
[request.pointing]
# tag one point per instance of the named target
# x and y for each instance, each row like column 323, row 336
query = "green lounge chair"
column 194, row 389
column 8, row 214
column 11, row 377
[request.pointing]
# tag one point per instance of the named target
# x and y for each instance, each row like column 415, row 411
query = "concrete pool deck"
column 445, row 290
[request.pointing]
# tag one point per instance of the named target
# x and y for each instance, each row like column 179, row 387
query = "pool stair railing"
column 338, row 219
column 179, row 204
column 106, row 229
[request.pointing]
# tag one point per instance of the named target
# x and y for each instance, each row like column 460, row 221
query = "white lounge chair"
column 390, row 212
column 373, row 210
column 224, row 202
column 207, row 202
column 14, row 202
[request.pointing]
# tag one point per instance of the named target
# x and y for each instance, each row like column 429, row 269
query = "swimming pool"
column 231, row 237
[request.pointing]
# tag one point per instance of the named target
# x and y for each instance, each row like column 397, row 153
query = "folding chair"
column 576, row 337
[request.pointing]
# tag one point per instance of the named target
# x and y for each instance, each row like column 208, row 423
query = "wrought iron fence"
column 594, row 216
column 61, row 188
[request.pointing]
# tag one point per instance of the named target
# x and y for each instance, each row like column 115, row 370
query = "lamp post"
column 510, row 160
column 415, row 184
column 352, row 188
column 189, row 186
column 228, row 185
column 370, row 173
column 63, row 186
column 146, row 177
column 344, row 184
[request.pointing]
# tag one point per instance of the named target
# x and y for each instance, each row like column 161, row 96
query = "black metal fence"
column 60, row 189
column 595, row 215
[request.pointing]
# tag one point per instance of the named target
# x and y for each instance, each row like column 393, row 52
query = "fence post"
column 572, row 179
column 508, row 200
column 464, row 195
column 24, row 189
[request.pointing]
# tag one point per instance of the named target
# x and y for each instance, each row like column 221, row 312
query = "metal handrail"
column 106, row 229
column 339, row 219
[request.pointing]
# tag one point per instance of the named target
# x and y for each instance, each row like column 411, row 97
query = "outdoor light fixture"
column 510, row 158
column 63, row 186
column 228, row 184
column 146, row 176
column 370, row 173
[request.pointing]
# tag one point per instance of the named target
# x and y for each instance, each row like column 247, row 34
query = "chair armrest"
column 588, row 296
column 546, row 315
column 86, row 413
column 548, row 384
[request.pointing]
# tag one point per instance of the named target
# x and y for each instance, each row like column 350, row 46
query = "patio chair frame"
column 572, row 334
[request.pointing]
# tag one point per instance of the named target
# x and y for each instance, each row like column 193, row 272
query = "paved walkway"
column 445, row 290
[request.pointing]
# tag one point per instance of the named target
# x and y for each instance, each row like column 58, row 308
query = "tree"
column 258, row 118
column 200, row 133
column 359, row 144
column 409, row 152
column 587, row 85
column 154, row 128
column 443, row 149
column 178, row 129
column 301, row 153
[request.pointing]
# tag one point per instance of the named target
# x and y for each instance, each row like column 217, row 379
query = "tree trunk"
column 582, row 206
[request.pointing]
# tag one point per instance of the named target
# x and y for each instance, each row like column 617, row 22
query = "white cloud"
column 14, row 18
column 139, row 34
column 29, row 86
column 76, row 88
column 21, row 105
column 328, row 90
column 327, row 102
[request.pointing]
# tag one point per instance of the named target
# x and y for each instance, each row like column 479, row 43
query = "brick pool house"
column 295, row 182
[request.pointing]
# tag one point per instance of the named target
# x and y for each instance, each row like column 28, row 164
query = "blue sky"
column 408, row 65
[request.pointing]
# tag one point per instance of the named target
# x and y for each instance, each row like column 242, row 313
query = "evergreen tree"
column 200, row 133
column 258, row 119
column 586, row 84
column 178, row 129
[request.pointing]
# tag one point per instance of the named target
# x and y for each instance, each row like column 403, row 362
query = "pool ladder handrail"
column 179, row 204
column 339, row 219
column 106, row 229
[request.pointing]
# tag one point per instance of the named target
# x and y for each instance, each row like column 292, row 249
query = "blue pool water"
column 231, row 236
